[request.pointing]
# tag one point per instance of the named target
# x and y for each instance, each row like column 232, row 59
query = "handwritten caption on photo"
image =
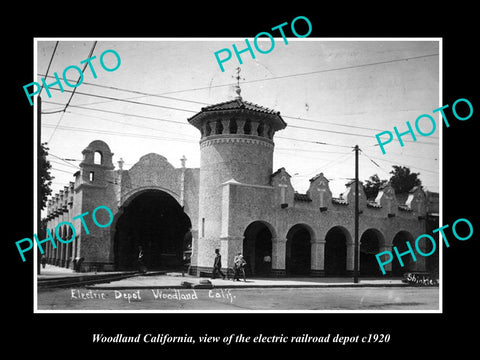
column 156, row 294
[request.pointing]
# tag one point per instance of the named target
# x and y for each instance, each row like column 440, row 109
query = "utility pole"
column 39, row 200
column 355, row 257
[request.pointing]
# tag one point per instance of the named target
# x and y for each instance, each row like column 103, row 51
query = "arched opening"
column 298, row 250
column 257, row 249
column 370, row 243
column 233, row 126
column 400, row 242
column 97, row 158
column 336, row 251
column 155, row 221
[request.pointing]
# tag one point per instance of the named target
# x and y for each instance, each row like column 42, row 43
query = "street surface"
column 238, row 299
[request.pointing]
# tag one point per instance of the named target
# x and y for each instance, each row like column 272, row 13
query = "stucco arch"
column 258, row 246
column 302, row 225
column 298, row 255
column 160, row 230
column 132, row 194
column 338, row 242
column 371, row 242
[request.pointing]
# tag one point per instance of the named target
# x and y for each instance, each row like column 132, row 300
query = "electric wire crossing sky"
column 417, row 127
column 64, row 75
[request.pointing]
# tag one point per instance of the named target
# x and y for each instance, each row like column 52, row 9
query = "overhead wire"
column 306, row 73
column 49, row 64
column 73, row 92
column 278, row 77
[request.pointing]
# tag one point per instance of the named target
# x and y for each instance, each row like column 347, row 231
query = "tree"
column 44, row 176
column 372, row 185
column 403, row 180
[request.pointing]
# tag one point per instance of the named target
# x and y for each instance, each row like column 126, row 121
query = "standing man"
column 217, row 265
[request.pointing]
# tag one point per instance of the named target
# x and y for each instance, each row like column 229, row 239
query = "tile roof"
column 373, row 204
column 239, row 104
column 339, row 201
column 301, row 197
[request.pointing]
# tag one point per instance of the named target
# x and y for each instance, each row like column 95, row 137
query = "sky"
column 332, row 93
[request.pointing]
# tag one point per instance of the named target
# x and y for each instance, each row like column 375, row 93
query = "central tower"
column 236, row 145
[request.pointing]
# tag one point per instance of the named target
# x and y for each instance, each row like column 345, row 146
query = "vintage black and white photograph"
column 230, row 175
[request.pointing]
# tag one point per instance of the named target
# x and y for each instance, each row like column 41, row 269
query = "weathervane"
column 237, row 87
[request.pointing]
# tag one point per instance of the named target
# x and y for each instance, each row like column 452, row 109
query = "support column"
column 229, row 247
column 317, row 264
column 254, row 126
column 226, row 126
column 279, row 246
column 350, row 258
column 388, row 267
column 421, row 263
column 240, row 125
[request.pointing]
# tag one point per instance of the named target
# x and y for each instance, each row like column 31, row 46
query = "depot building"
column 235, row 202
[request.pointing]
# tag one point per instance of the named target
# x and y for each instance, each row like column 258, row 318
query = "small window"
column 233, row 126
column 97, row 158
column 91, row 176
column 218, row 127
column 247, row 128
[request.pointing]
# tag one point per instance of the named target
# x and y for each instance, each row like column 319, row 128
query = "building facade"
column 234, row 202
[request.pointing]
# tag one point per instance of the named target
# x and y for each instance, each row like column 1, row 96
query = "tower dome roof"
column 235, row 106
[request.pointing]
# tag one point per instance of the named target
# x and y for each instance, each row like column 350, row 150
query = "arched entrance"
column 298, row 250
column 155, row 221
column 370, row 243
column 336, row 251
column 257, row 245
column 400, row 242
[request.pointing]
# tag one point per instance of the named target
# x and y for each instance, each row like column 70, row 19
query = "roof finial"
column 237, row 87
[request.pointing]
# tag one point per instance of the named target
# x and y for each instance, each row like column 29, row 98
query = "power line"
column 64, row 160
column 398, row 163
column 73, row 92
column 194, row 111
column 126, row 123
column 107, row 132
column 121, row 113
column 307, row 73
column 186, row 123
column 142, row 93
column 130, row 101
column 272, row 78
column 145, row 94
column 49, row 63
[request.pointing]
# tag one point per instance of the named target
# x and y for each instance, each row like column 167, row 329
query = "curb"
column 250, row 286
column 76, row 280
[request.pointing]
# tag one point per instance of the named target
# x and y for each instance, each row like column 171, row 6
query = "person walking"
column 238, row 266
column 217, row 265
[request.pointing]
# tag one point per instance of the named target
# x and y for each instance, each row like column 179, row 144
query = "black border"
column 410, row 333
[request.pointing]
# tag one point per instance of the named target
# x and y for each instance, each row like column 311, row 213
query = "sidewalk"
column 174, row 280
